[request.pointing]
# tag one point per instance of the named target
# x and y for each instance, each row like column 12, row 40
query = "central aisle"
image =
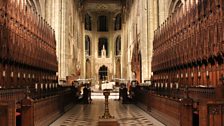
column 88, row 115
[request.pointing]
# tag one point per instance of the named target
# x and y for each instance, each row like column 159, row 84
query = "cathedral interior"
column 160, row 62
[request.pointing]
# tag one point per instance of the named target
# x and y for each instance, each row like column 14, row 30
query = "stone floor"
column 88, row 115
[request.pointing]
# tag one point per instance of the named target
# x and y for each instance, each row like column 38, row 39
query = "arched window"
column 102, row 23
column 117, row 25
column 87, row 45
column 118, row 46
column 103, row 42
column 87, row 22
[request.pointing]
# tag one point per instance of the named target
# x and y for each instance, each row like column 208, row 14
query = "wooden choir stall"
column 188, row 67
column 29, row 93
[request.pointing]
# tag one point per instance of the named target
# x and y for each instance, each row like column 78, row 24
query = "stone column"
column 56, row 21
column 48, row 11
column 166, row 9
column 123, row 50
column 161, row 11
column 151, row 18
column 143, row 30
column 155, row 14
column 62, row 41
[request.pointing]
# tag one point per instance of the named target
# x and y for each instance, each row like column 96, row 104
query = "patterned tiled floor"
column 88, row 115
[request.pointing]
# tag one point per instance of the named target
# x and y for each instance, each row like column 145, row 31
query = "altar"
column 107, row 85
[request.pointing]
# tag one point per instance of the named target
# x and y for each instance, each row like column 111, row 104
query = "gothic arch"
column 103, row 72
column 136, row 62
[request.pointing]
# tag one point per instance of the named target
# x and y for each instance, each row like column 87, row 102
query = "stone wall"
column 64, row 17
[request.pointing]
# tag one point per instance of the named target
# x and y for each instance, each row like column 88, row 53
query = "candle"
column 207, row 74
column 11, row 74
column 199, row 74
column 177, row 85
column 192, row 74
column 3, row 73
column 171, row 85
column 36, row 86
column 18, row 75
column 186, row 75
column 41, row 86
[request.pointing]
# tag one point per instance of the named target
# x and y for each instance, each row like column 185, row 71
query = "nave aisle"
column 88, row 115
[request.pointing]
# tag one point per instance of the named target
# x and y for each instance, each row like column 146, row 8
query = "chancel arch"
column 136, row 63
column 103, row 73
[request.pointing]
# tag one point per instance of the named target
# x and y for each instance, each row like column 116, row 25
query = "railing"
column 12, row 94
column 196, row 93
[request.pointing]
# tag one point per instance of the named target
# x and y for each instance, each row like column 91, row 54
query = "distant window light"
column 102, row 24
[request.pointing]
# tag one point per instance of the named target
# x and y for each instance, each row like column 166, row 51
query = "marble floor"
column 88, row 115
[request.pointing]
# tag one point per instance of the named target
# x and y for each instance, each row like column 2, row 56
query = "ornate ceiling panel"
column 102, row 5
